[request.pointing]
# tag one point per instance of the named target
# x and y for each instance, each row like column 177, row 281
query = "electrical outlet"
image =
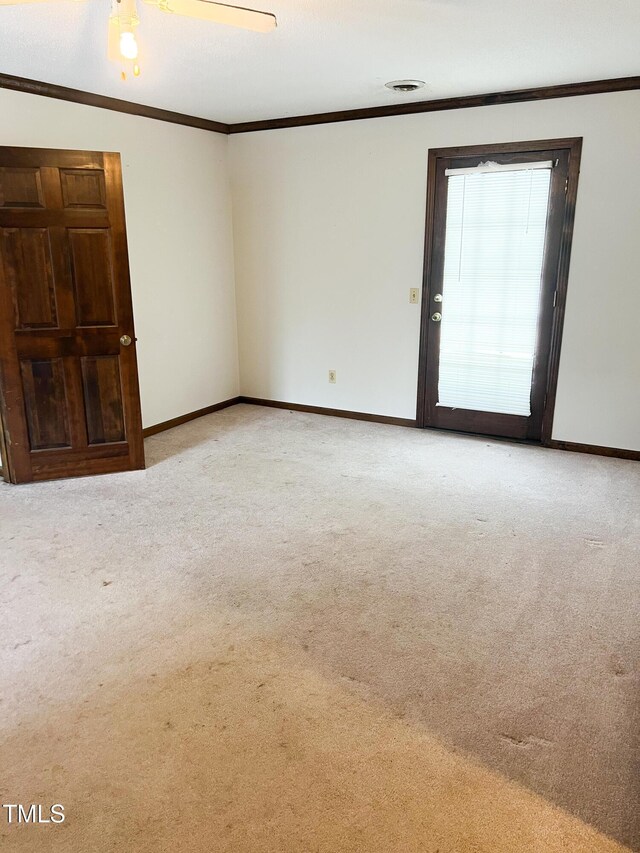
column 332, row 376
column 414, row 295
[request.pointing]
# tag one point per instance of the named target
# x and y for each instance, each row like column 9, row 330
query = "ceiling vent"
column 405, row 85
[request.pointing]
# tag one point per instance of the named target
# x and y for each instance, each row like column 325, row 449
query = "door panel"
column 91, row 254
column 83, row 188
column 20, row 187
column 30, row 272
column 69, row 397
column 46, row 404
column 497, row 244
column 103, row 399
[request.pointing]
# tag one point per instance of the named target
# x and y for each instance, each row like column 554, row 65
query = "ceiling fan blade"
column 219, row 13
column 23, row 2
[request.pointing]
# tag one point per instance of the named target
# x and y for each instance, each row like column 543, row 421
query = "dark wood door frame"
column 434, row 249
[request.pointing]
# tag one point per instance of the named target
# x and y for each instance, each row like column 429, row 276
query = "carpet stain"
column 525, row 741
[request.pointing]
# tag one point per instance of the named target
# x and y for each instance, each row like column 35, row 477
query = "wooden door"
column 496, row 268
column 69, row 398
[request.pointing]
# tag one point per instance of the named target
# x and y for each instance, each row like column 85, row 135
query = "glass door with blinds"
column 498, row 228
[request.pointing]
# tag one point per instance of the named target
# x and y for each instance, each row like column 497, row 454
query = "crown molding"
column 566, row 90
column 77, row 96
column 543, row 93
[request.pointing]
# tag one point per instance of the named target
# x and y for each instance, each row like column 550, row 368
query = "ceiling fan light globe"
column 128, row 45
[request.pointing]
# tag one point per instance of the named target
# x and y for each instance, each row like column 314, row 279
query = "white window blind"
column 494, row 248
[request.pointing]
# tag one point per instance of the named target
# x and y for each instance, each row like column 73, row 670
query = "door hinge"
column 566, row 185
column 555, row 298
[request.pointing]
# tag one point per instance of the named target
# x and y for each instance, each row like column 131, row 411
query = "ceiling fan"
column 122, row 46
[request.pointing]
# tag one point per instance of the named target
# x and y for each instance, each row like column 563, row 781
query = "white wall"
column 178, row 212
column 329, row 230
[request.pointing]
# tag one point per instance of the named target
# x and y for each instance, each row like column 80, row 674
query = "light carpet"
column 299, row 633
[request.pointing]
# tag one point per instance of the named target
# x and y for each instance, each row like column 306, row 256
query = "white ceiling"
column 327, row 54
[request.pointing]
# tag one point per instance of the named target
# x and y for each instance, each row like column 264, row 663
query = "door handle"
column 436, row 317
column 125, row 340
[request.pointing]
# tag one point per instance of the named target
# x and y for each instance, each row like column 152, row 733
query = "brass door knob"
column 125, row 340
column 436, row 317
